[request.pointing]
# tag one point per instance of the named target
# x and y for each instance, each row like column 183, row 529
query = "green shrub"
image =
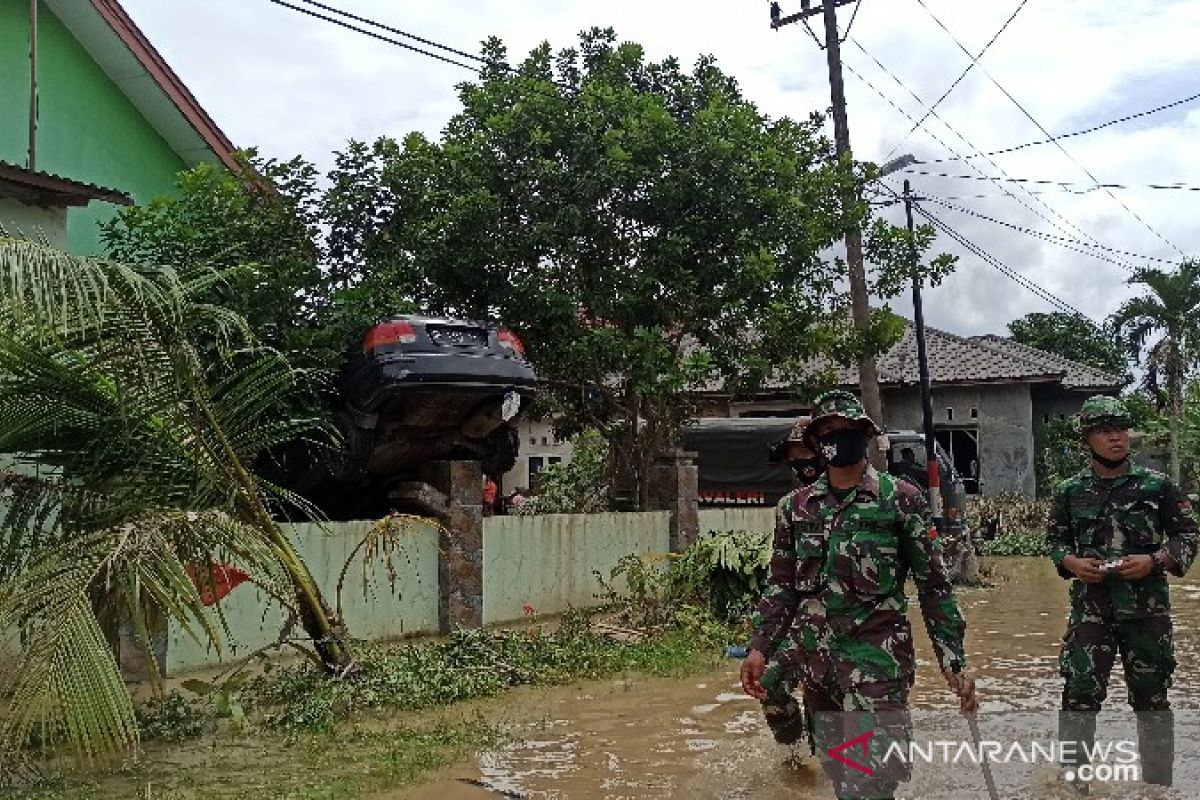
column 1015, row 543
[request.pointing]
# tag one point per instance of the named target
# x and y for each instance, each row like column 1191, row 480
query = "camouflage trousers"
column 786, row 720
column 860, row 725
column 1090, row 647
column 1089, row 651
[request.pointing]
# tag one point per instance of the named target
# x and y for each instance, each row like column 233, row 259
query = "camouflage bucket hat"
column 1100, row 411
column 797, row 432
column 839, row 403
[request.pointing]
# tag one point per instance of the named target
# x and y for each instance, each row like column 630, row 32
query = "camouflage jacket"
column 1139, row 512
column 837, row 584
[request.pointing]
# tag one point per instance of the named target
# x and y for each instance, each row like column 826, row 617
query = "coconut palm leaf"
column 145, row 408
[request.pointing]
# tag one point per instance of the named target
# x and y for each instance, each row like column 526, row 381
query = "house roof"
column 958, row 360
column 124, row 53
column 54, row 191
column 1079, row 376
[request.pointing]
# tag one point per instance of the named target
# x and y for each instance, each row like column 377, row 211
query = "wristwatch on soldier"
column 1160, row 566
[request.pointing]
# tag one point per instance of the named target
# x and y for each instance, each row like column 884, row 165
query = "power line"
column 1088, row 187
column 1001, row 267
column 1060, row 137
column 1047, row 133
column 397, row 31
column 1070, row 226
column 1070, row 244
column 374, row 35
column 959, row 79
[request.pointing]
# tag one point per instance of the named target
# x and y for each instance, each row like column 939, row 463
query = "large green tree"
column 1071, row 336
column 644, row 227
column 1161, row 329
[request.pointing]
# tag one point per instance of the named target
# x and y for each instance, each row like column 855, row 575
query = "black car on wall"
column 420, row 389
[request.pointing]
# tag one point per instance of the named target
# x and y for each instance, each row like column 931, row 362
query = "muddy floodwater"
column 702, row 738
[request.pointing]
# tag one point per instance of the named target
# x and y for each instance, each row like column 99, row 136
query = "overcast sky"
column 289, row 85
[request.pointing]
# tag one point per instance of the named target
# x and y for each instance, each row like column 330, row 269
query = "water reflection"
column 702, row 738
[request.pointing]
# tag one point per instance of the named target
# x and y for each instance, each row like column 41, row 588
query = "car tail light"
column 509, row 340
column 386, row 333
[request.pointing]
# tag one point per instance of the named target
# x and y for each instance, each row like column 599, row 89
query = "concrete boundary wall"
column 752, row 518
column 255, row 620
column 546, row 562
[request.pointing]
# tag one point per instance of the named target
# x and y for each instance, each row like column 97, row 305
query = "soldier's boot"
column 1078, row 728
column 1156, row 745
column 785, row 719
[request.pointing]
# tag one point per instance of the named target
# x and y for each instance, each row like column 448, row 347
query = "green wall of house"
column 87, row 129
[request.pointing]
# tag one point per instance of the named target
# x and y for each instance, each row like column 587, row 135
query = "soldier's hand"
column 963, row 685
column 1086, row 569
column 1133, row 568
column 753, row 667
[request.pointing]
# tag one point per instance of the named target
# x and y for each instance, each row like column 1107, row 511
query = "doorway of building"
column 962, row 444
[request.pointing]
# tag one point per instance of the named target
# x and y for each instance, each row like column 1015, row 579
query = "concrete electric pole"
column 860, row 307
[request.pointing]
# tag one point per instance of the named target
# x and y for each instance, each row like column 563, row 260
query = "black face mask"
column 807, row 470
column 844, row 447
column 1109, row 462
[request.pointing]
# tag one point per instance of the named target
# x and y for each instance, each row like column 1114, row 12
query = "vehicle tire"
column 348, row 463
column 499, row 452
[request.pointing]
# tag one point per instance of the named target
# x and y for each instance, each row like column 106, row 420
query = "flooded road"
column 702, row 738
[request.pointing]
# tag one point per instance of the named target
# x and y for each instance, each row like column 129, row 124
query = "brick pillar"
column 457, row 502
column 674, row 487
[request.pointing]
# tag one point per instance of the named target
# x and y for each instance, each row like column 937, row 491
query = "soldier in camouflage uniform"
column 1116, row 529
column 834, row 614
column 783, row 714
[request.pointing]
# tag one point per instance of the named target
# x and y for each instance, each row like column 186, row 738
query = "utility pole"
column 931, row 462
column 860, row 307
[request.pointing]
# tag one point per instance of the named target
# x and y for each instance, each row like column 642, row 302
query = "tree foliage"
column 1161, row 329
column 1071, row 336
column 646, row 228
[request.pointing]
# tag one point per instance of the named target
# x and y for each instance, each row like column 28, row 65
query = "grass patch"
column 467, row 665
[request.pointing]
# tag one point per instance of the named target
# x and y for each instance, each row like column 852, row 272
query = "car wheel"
column 349, row 462
column 499, row 452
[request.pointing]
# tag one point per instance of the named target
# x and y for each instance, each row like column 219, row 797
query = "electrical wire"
column 397, row 31
column 1000, row 266
column 850, row 25
column 1070, row 244
column 373, row 34
column 1069, row 225
column 1047, row 133
column 1088, row 187
column 959, row 79
column 1060, row 137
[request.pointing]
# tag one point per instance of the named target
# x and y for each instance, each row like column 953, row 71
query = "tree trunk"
column 1176, row 422
column 1175, row 386
column 319, row 622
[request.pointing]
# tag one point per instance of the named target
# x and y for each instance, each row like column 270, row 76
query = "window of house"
column 1046, row 419
column 974, row 413
column 544, row 440
column 552, row 460
column 536, row 465
column 950, row 415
